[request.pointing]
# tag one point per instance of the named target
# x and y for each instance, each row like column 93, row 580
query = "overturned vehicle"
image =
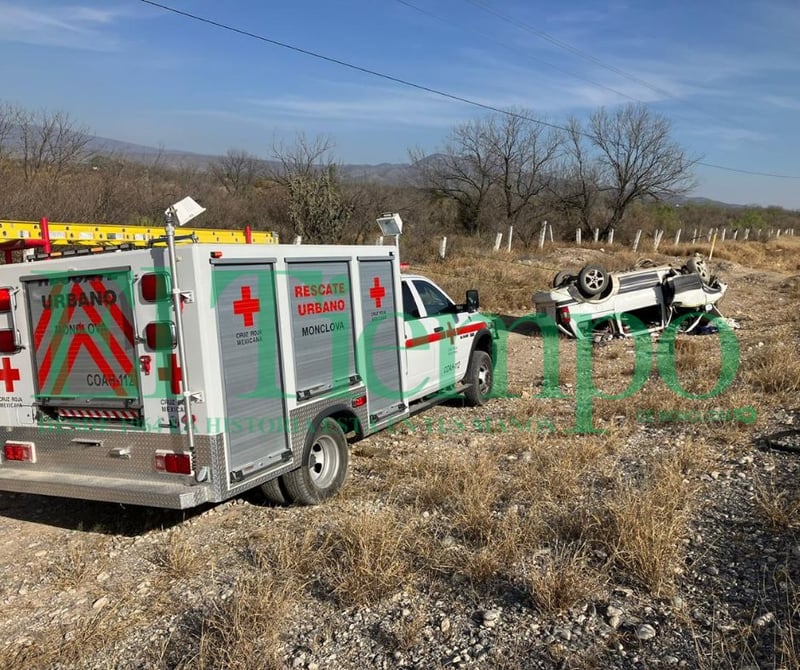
column 646, row 299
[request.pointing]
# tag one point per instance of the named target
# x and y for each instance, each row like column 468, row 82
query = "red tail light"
column 562, row 315
column 177, row 464
column 19, row 451
column 8, row 341
column 360, row 401
column 159, row 335
column 5, row 300
column 155, row 286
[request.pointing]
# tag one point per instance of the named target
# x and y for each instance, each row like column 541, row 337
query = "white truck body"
column 279, row 340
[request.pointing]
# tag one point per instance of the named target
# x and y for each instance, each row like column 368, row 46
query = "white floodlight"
column 184, row 210
column 390, row 224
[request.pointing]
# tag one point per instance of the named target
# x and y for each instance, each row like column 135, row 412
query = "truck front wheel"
column 323, row 468
column 480, row 376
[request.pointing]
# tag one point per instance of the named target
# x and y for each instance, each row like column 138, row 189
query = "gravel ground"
column 91, row 585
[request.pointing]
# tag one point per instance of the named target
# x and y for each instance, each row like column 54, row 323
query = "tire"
column 592, row 280
column 323, row 467
column 480, row 377
column 561, row 278
column 275, row 492
column 699, row 266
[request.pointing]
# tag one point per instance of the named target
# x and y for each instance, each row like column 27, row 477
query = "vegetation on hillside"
column 491, row 173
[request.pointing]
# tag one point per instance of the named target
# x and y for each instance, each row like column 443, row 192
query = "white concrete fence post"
column 510, row 235
column 636, row 239
column 498, row 241
column 678, row 237
column 443, row 248
column 578, row 237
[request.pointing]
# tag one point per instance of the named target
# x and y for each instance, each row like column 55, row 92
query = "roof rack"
column 43, row 235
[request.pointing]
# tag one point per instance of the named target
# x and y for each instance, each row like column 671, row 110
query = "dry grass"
column 242, row 629
column 73, row 645
column 644, row 520
column 561, row 578
column 366, row 557
column 774, row 368
column 78, row 561
column 178, row 558
column 779, row 507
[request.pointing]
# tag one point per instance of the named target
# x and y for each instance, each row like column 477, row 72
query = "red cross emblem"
column 377, row 292
column 173, row 374
column 247, row 306
column 8, row 374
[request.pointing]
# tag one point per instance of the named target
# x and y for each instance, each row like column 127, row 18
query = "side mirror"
column 473, row 303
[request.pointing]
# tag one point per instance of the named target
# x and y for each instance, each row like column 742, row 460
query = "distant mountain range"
column 389, row 174
column 383, row 173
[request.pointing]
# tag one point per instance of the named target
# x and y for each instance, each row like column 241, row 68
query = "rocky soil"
column 91, row 585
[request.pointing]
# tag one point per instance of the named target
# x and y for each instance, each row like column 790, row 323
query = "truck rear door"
column 84, row 345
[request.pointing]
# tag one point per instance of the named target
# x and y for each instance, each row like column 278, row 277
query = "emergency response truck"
column 175, row 375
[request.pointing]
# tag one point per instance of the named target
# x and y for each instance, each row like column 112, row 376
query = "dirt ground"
column 96, row 585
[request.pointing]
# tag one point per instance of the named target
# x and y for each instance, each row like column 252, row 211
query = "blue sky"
column 726, row 74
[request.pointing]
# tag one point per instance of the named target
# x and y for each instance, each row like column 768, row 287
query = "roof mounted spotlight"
column 184, row 211
column 390, row 224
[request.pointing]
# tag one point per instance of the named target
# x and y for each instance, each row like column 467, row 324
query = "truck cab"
column 446, row 344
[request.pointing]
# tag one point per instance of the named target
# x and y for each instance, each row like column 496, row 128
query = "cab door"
column 432, row 341
column 420, row 351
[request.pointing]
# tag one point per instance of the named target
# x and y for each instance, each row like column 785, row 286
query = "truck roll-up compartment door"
column 83, row 344
column 380, row 338
column 320, row 298
column 253, row 390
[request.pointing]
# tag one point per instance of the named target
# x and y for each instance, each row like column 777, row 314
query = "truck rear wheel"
column 324, row 465
column 480, row 377
column 274, row 492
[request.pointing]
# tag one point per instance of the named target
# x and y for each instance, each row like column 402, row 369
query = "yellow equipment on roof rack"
column 27, row 234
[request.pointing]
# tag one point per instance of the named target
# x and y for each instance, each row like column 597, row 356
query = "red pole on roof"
column 248, row 235
column 45, row 234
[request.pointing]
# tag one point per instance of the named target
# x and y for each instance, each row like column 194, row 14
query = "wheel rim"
column 484, row 379
column 594, row 280
column 323, row 461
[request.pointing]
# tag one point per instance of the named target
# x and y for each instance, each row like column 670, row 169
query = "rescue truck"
column 175, row 374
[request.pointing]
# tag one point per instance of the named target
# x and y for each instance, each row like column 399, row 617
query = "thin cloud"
column 366, row 105
column 76, row 26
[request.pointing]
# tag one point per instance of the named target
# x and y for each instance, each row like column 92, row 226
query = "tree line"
column 620, row 170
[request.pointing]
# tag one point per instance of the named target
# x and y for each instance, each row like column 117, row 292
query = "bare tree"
column 304, row 158
column 577, row 186
column 8, row 120
column 462, row 172
column 317, row 210
column 497, row 167
column 636, row 159
column 522, row 153
column 237, row 171
column 49, row 142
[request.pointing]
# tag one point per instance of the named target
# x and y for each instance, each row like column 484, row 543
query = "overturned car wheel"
column 562, row 278
column 592, row 280
column 699, row 266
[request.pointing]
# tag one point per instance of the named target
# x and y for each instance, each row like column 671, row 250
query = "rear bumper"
column 113, row 466
column 88, row 487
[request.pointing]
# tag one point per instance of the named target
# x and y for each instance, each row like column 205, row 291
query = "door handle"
column 438, row 329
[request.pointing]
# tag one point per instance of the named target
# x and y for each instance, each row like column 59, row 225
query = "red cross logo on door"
column 8, row 374
column 377, row 292
column 247, row 306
